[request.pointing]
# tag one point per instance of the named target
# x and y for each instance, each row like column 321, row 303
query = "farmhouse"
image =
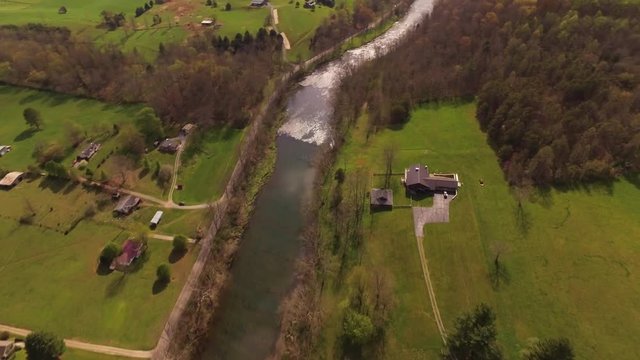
column 417, row 179
column 11, row 179
column 4, row 149
column 131, row 250
column 169, row 145
column 126, row 205
column 381, row 199
column 88, row 152
column 156, row 219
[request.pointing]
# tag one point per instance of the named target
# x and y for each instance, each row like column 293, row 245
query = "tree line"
column 345, row 22
column 557, row 83
column 199, row 81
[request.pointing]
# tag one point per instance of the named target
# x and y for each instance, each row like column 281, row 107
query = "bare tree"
column 389, row 156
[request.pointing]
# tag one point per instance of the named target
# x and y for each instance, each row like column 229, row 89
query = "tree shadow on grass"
column 70, row 187
column 116, row 285
column 26, row 134
column 176, row 255
column 159, row 286
column 499, row 275
column 138, row 263
column 54, row 184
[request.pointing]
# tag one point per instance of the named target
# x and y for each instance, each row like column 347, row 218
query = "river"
column 246, row 325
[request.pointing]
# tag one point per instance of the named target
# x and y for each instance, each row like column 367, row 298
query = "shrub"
column 5, row 335
column 180, row 243
column 109, row 252
column 227, row 7
column 358, row 328
column 42, row 345
column 164, row 273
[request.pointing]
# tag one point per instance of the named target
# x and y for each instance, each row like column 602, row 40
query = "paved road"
column 81, row 345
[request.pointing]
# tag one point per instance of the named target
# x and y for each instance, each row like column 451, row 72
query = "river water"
column 247, row 322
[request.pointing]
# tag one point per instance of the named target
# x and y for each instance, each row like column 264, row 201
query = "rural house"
column 258, row 3
column 417, row 179
column 11, row 179
column 169, row 145
column 88, row 152
column 381, row 199
column 126, row 205
column 131, row 250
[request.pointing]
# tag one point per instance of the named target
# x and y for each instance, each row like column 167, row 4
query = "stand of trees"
column 557, row 83
column 345, row 23
column 199, row 80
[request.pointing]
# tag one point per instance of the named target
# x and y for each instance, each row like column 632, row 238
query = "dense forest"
column 208, row 80
column 557, row 83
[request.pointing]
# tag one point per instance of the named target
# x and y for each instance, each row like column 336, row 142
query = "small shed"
column 126, row 205
column 11, row 179
column 88, row 152
column 156, row 219
column 381, row 199
column 7, row 348
column 207, row 22
column 169, row 145
column 4, row 149
column 131, row 250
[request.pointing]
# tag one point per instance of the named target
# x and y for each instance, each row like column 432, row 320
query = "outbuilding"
column 156, row 219
column 4, row 149
column 11, row 179
column 381, row 199
column 126, row 205
column 169, row 145
column 206, row 22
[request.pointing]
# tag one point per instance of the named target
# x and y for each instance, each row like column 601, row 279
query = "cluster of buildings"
column 417, row 180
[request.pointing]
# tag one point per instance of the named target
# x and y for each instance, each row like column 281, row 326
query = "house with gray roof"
column 418, row 180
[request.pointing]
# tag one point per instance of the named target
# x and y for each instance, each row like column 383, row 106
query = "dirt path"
column 438, row 213
column 432, row 294
column 176, row 167
column 165, row 237
column 81, row 345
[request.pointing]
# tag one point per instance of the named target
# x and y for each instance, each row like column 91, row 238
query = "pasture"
column 204, row 172
column 568, row 255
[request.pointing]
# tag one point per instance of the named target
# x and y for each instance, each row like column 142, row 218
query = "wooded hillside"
column 557, row 83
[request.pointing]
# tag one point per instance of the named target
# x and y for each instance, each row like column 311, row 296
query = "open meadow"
column 568, row 256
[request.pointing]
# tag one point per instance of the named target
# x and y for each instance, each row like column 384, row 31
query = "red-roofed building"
column 131, row 250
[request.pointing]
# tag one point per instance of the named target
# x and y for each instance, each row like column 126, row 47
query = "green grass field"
column 205, row 175
column 51, row 284
column 58, row 112
column 83, row 17
column 570, row 254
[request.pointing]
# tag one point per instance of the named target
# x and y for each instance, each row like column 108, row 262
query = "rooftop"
column 381, row 197
column 11, row 178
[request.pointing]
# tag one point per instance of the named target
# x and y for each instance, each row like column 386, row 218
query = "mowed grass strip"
column 204, row 175
column 51, row 283
column 58, row 112
column 570, row 255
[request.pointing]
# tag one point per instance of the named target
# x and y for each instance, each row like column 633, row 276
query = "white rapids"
column 309, row 109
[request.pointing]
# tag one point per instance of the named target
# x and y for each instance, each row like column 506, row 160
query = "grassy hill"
column 570, row 255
